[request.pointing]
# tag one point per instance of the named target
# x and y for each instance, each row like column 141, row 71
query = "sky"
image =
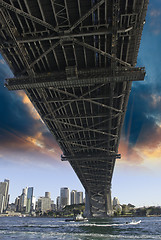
column 29, row 155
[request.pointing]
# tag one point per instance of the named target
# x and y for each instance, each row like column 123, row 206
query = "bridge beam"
column 85, row 78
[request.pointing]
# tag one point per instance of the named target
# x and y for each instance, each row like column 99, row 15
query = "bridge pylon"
column 98, row 205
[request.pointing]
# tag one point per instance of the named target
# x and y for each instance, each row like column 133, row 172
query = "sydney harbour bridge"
column 75, row 60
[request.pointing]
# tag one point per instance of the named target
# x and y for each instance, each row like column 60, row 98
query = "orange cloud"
column 29, row 105
column 38, row 148
column 129, row 154
column 147, row 150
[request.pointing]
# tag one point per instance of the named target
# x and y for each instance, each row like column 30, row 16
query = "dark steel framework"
column 76, row 60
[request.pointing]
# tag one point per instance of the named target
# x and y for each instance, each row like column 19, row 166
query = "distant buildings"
column 26, row 202
column 4, row 197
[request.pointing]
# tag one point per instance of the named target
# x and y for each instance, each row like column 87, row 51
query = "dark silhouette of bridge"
column 75, row 59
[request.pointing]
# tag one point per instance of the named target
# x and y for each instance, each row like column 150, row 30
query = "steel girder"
column 75, row 60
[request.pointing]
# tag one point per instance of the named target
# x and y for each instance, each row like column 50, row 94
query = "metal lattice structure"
column 76, row 60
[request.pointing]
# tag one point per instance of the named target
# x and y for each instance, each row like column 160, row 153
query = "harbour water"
column 56, row 228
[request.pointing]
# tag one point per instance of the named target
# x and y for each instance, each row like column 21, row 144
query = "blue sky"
column 29, row 155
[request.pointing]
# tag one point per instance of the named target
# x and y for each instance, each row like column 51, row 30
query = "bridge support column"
column 87, row 212
column 109, row 206
column 98, row 205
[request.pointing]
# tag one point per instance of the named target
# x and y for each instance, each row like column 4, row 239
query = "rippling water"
column 56, row 228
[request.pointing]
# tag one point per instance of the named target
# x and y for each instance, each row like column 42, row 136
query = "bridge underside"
column 76, row 62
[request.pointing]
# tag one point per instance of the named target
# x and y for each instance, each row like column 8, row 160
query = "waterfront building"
column 45, row 203
column 18, row 204
column 33, row 203
column 79, row 197
column 118, row 208
column 58, row 203
column 73, row 197
column 29, row 199
column 53, row 206
column 23, row 199
column 64, row 197
column 4, row 187
column 7, row 196
column 115, row 202
column 12, row 207
column 1, row 203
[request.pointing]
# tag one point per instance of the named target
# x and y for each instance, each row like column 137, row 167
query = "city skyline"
column 27, row 203
column 29, row 154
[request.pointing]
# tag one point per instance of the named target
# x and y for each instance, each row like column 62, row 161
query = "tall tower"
column 23, row 199
column 29, row 199
column 73, row 197
column 64, row 197
column 79, row 197
column 4, row 187
column 7, row 196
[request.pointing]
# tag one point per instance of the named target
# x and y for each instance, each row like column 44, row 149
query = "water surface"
column 56, row 228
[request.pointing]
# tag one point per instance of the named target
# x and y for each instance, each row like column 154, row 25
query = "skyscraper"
column 23, row 200
column 7, row 196
column 79, row 197
column 1, row 203
column 45, row 203
column 29, row 199
column 4, row 187
column 58, row 203
column 64, row 197
column 115, row 201
column 47, row 194
column 73, row 197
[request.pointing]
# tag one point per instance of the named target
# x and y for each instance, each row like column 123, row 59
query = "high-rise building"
column 47, row 195
column 33, row 203
column 29, row 199
column 115, row 201
column 1, row 203
column 45, row 203
column 58, row 203
column 73, row 197
column 7, row 196
column 23, row 199
column 79, row 197
column 4, row 187
column 64, row 196
column 17, row 204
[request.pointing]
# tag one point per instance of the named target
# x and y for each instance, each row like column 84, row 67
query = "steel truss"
column 76, row 62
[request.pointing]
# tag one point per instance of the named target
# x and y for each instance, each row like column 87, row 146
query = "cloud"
column 29, row 105
column 155, row 19
column 23, row 136
column 155, row 13
column 129, row 154
column 32, row 149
